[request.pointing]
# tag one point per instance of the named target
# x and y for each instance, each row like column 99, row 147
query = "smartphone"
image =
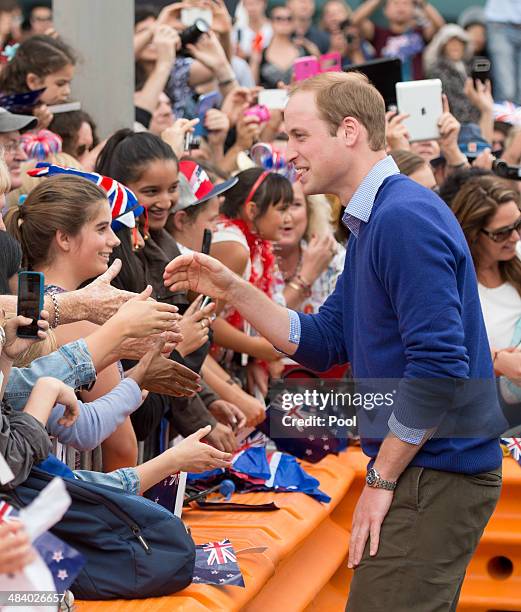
column 274, row 99
column 67, row 107
column 331, row 62
column 207, row 242
column 205, row 248
column 481, row 69
column 305, row 67
column 204, row 104
column 30, row 301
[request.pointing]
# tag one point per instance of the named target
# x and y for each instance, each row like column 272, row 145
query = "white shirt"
column 503, row 11
column 247, row 37
column 501, row 310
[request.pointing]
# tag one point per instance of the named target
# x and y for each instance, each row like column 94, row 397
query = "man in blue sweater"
column 405, row 307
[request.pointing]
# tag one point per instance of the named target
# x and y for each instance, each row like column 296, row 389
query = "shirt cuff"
column 406, row 434
column 294, row 327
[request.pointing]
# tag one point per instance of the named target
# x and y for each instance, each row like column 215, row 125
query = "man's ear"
column 63, row 241
column 349, row 131
column 33, row 81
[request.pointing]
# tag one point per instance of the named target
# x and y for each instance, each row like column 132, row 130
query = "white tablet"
column 422, row 101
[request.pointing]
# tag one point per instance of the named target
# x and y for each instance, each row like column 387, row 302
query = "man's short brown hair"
column 348, row 94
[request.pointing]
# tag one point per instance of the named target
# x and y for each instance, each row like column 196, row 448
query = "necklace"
column 288, row 275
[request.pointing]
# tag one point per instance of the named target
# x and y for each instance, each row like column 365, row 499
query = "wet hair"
column 10, row 260
column 455, row 181
column 474, row 206
column 41, row 55
column 63, row 203
column 272, row 190
column 67, row 126
column 127, row 153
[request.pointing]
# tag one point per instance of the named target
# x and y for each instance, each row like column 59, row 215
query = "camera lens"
column 193, row 33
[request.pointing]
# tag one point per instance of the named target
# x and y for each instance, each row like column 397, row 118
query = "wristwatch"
column 3, row 339
column 374, row 480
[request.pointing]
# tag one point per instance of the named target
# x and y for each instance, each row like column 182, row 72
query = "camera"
column 192, row 34
column 502, row 169
column 260, row 111
column 191, row 142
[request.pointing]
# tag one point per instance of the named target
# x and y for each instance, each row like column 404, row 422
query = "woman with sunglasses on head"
column 488, row 210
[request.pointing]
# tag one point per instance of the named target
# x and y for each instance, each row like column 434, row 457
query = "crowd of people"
column 118, row 353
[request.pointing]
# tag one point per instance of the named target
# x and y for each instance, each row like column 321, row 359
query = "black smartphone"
column 481, row 69
column 205, row 248
column 30, row 301
column 207, row 242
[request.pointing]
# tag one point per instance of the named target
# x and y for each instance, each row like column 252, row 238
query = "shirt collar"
column 360, row 205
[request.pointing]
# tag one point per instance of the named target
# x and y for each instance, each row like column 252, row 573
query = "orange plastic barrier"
column 304, row 566
column 305, row 547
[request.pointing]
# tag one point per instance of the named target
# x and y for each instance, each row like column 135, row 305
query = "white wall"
column 101, row 31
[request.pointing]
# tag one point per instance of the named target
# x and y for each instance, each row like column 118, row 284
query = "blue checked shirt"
column 358, row 211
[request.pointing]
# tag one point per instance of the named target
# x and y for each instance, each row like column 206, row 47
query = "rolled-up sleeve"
column 71, row 363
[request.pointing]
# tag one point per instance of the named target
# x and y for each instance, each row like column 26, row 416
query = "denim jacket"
column 71, row 363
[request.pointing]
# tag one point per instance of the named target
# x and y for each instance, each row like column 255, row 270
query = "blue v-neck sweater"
column 407, row 307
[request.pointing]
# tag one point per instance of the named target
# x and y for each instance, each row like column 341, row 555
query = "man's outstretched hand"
column 200, row 273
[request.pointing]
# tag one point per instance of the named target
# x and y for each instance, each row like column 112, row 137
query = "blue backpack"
column 134, row 548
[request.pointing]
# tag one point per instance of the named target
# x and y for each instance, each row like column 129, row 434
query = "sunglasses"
column 503, row 234
column 281, row 18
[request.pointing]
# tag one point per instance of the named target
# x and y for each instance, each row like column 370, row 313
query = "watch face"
column 371, row 477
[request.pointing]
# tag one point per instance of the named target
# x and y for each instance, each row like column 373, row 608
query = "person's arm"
column 373, row 504
column 360, row 17
column 248, row 131
column 142, row 39
column 230, row 337
column 512, row 154
column 190, row 455
column 227, row 389
column 435, row 20
column 449, row 128
column 165, row 41
column 480, row 96
column 23, row 442
column 98, row 419
column 209, row 52
column 321, row 346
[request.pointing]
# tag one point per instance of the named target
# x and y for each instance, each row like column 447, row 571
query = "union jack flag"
column 514, row 447
column 123, row 202
column 5, row 512
column 220, row 552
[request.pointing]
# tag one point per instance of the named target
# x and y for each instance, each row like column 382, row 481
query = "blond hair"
column 39, row 349
column 5, row 179
column 348, row 94
column 319, row 216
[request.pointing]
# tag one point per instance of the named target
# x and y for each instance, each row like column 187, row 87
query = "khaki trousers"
column 426, row 543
